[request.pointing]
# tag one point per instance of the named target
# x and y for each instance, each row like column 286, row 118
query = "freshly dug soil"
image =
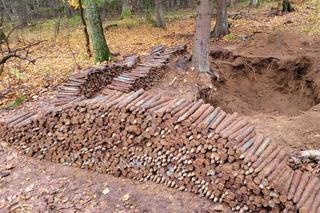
column 272, row 73
column 274, row 79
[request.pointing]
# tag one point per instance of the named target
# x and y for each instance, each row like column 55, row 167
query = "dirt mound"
column 278, row 45
column 267, row 74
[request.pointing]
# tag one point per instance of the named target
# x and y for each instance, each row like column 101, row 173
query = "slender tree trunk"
column 85, row 29
column 200, row 56
column 254, row 3
column 286, row 6
column 125, row 9
column 2, row 35
column 98, row 41
column 221, row 27
column 6, row 10
column 56, row 28
column 160, row 21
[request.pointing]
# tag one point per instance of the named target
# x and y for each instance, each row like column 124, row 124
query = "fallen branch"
column 19, row 52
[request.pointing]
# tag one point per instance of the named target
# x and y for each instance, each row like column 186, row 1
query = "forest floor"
column 268, row 70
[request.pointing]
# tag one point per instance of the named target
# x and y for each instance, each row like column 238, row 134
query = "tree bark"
column 160, row 21
column 254, row 3
column 98, row 41
column 7, row 11
column 2, row 35
column 85, row 29
column 286, row 6
column 125, row 9
column 221, row 27
column 201, row 49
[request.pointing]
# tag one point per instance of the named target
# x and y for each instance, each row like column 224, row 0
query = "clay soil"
column 274, row 79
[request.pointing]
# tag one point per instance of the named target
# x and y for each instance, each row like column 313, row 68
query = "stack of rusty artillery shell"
column 87, row 82
column 190, row 146
column 148, row 72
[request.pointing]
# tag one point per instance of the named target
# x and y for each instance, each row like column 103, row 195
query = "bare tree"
column 160, row 20
column 21, row 52
column 221, row 28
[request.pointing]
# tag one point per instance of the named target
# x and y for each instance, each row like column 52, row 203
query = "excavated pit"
column 270, row 73
column 262, row 84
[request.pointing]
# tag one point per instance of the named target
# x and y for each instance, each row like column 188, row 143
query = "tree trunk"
column 254, row 3
column 85, row 29
column 200, row 56
column 98, row 41
column 160, row 21
column 286, row 6
column 221, row 27
column 2, row 35
column 6, row 11
column 125, row 9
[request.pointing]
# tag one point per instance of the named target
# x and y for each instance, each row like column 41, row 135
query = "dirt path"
column 30, row 185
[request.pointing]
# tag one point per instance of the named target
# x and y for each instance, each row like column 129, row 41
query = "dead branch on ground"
column 20, row 52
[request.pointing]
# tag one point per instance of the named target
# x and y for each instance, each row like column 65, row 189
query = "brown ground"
column 273, row 78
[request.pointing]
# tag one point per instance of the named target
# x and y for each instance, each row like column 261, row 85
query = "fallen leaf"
column 106, row 191
column 126, row 197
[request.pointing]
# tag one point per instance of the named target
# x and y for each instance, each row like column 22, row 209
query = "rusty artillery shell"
column 205, row 114
column 22, row 118
column 242, row 122
column 130, row 98
column 244, row 133
column 282, row 182
column 226, row 122
column 265, row 143
column 302, row 184
column 294, row 184
column 242, row 148
column 273, row 166
column 156, row 103
column 146, row 104
column 306, row 207
column 253, row 148
column 194, row 116
column 312, row 184
column 264, row 160
column 141, row 97
column 177, row 103
column 184, row 109
column 206, row 122
column 315, row 206
column 190, row 111
column 139, row 104
column 217, row 120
